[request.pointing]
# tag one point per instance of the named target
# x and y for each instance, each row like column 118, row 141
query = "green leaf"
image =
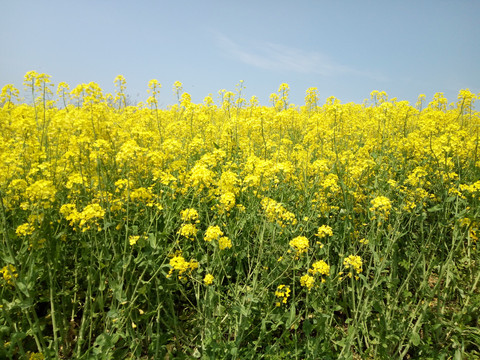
column 23, row 288
column 143, row 290
column 152, row 240
column 113, row 314
column 307, row 327
column 435, row 208
column 415, row 339
column 103, row 343
column 291, row 318
column 7, row 258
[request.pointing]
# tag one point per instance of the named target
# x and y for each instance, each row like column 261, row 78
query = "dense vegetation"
column 232, row 230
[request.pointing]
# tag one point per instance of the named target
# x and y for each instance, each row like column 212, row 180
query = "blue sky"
column 344, row 48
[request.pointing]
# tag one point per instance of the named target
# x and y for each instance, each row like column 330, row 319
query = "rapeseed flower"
column 179, row 264
column 42, row 193
column 227, row 201
column 307, row 281
column 282, row 293
column 36, row 356
column 275, row 212
column 9, row 273
column 224, row 243
column 188, row 230
column 208, row 279
column 8, row 94
column 25, row 229
column 381, row 203
column 363, row 241
column 132, row 239
column 85, row 219
column 141, row 194
column 300, row 244
column 381, row 206
column 324, row 231
column 189, row 215
column 354, row 264
column 200, row 177
column 320, row 267
column 90, row 215
column 213, row 232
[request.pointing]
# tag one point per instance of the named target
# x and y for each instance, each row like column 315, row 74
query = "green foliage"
column 340, row 231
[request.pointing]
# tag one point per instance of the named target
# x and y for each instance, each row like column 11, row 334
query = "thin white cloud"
column 279, row 57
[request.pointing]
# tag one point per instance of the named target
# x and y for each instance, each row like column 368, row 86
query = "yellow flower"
column 324, row 231
column 353, row 262
column 25, row 229
column 85, row 219
column 41, row 192
column 200, row 176
column 141, row 195
column 241, row 208
column 307, row 281
column 300, row 244
column 133, row 239
column 227, row 200
column 9, row 272
column 320, row 267
column 283, row 293
column 89, row 216
column 36, row 356
column 177, row 85
column 178, row 263
column 382, row 204
column 275, row 212
column 213, row 232
column 188, row 230
column 208, row 279
column 189, row 215
column 224, row 243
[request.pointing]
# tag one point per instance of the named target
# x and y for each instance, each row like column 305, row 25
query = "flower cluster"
column 88, row 217
column 41, row 193
column 320, row 267
column 213, row 232
column 275, row 212
column 133, row 239
column 227, row 201
column 324, row 231
column 179, row 264
column 381, row 206
column 299, row 244
column 189, row 215
column 187, row 229
column 282, row 293
column 353, row 263
column 9, row 272
column 208, row 279
column 224, row 243
column 307, row 281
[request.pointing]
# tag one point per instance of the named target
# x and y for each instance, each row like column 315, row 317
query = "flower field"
column 232, row 230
